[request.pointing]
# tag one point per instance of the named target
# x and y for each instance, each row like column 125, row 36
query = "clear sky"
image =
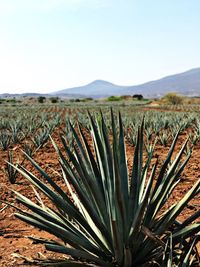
column 49, row 45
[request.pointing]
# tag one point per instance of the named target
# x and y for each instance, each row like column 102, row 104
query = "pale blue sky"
column 48, row 45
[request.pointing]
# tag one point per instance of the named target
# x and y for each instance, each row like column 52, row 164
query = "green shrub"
column 173, row 99
column 114, row 98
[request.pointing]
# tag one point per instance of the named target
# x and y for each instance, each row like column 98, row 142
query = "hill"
column 186, row 83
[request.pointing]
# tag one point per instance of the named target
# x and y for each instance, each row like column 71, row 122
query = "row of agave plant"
column 28, row 122
column 33, row 131
column 33, row 126
column 112, row 214
column 16, row 131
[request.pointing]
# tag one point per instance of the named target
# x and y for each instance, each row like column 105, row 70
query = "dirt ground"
column 13, row 232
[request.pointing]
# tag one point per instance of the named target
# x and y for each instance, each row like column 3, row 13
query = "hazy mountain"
column 186, row 83
column 96, row 88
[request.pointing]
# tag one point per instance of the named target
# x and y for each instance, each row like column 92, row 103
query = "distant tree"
column 41, row 99
column 138, row 96
column 173, row 99
column 54, row 99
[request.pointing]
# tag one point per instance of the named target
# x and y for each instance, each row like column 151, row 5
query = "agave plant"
column 28, row 149
column 10, row 170
column 41, row 137
column 164, row 138
column 110, row 216
column 5, row 140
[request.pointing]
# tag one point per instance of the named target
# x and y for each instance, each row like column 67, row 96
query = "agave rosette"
column 110, row 216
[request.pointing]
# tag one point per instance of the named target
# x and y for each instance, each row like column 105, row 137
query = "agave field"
column 99, row 184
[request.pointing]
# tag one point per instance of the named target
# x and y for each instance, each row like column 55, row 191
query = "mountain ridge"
column 186, row 83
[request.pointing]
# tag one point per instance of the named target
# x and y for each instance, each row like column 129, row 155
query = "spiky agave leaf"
column 181, row 255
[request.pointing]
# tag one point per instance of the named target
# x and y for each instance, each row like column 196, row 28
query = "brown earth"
column 13, row 232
